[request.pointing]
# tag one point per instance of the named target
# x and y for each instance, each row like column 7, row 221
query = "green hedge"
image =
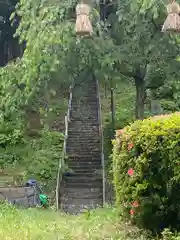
column 146, row 169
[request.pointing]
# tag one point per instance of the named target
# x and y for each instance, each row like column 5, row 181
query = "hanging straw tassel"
column 83, row 24
column 172, row 22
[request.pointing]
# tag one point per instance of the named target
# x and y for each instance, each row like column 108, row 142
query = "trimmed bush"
column 146, row 169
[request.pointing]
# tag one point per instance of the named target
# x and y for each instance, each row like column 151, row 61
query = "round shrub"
column 146, row 171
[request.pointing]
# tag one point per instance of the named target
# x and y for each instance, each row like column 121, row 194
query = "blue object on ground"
column 31, row 182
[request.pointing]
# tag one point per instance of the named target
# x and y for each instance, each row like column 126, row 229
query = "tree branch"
column 127, row 73
column 124, row 72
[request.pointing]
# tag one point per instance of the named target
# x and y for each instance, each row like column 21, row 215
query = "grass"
column 38, row 224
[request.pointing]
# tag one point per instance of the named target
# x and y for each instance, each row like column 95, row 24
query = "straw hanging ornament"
column 172, row 22
column 83, row 25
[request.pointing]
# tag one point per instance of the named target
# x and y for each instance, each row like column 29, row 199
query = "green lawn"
column 37, row 224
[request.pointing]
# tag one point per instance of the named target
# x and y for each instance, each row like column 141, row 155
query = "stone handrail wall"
column 62, row 159
column 101, row 142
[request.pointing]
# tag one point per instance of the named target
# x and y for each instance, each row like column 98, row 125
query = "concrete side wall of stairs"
column 83, row 186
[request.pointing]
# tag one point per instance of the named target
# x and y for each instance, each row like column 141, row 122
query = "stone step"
column 84, row 171
column 81, row 120
column 82, row 110
column 79, row 150
column 82, row 140
column 85, row 93
column 92, row 143
column 90, row 95
column 73, row 122
column 84, row 90
column 96, row 175
column 88, row 160
column 82, row 190
column 84, row 166
column 91, row 119
column 83, row 179
column 93, row 136
column 75, row 209
column 75, row 125
column 84, row 160
column 83, row 174
column 89, row 139
column 80, row 201
column 94, row 133
column 85, row 108
column 84, row 122
column 83, row 136
column 84, row 115
column 86, row 152
column 83, row 184
column 74, row 149
column 74, row 119
column 76, row 129
column 85, row 111
column 85, row 148
column 79, row 193
column 96, row 169
column 85, row 101
column 88, row 102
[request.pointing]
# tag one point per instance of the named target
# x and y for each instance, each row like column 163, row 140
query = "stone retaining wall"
column 23, row 196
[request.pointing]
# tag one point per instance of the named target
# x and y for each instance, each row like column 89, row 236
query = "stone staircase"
column 83, row 185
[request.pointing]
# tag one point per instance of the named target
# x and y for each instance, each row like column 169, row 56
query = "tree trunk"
column 2, row 54
column 140, row 97
column 113, row 114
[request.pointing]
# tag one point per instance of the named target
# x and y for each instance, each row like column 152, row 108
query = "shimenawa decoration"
column 172, row 22
column 83, row 24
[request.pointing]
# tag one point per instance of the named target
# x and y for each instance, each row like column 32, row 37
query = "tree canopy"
column 127, row 40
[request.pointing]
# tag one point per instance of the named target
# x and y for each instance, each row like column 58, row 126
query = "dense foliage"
column 127, row 40
column 146, row 171
column 22, row 81
column 38, row 157
column 24, row 157
column 127, row 45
